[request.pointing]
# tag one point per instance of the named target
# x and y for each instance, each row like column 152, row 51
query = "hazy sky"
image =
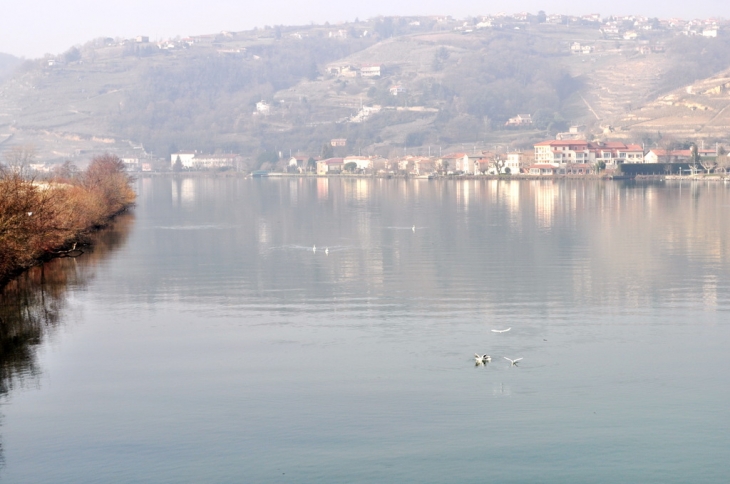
column 31, row 28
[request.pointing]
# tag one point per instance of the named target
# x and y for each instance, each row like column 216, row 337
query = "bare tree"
column 19, row 158
column 497, row 164
column 694, row 158
column 445, row 166
column 708, row 163
column 723, row 163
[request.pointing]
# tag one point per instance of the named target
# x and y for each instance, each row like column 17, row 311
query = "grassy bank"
column 43, row 219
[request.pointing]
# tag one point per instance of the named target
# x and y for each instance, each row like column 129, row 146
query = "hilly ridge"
column 457, row 87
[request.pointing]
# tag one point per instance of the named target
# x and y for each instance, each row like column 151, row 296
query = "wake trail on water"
column 194, row 227
column 295, row 247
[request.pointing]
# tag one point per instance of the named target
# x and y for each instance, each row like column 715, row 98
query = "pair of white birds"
column 482, row 359
column 326, row 249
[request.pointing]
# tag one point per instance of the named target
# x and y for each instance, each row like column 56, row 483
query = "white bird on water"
column 314, row 249
column 413, row 228
column 514, row 362
column 481, row 359
column 500, row 330
column 327, row 251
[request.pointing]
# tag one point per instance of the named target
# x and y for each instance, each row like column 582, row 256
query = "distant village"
column 549, row 158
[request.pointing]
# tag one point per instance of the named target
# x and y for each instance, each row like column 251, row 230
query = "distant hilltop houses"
column 349, row 70
column 636, row 29
column 618, row 27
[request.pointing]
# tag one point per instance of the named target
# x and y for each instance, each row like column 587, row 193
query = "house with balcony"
column 564, row 152
column 370, row 70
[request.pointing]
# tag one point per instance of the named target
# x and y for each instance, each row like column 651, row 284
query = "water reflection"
column 558, row 243
column 32, row 305
column 219, row 344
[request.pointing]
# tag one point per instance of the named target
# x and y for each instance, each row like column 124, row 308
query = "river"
column 323, row 330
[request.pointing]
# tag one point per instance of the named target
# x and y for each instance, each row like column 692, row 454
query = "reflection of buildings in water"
column 294, row 191
column 545, row 194
column 144, row 191
column 650, row 200
column 403, row 189
column 183, row 191
column 357, row 189
column 505, row 193
column 263, row 232
column 463, row 191
column 493, row 191
column 322, row 188
column 362, row 189
column 417, row 185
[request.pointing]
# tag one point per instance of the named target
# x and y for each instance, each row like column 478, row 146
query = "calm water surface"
column 207, row 342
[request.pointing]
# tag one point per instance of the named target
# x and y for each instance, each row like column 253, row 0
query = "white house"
column 370, row 70
column 299, row 162
column 362, row 162
column 513, row 163
column 131, row 164
column 397, row 89
column 186, row 158
column 263, row 108
column 199, row 161
column 520, row 120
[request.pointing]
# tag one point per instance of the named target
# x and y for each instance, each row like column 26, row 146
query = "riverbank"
column 522, row 176
column 45, row 219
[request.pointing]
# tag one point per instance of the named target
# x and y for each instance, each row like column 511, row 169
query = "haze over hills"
column 386, row 85
column 8, row 63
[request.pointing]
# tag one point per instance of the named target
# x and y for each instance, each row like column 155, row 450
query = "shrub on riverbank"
column 40, row 218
